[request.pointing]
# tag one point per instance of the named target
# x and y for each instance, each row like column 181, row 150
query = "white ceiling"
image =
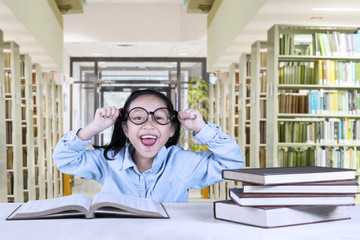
column 161, row 28
column 180, row 33
column 138, row 28
column 289, row 12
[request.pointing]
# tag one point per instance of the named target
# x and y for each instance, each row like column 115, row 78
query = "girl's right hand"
column 105, row 117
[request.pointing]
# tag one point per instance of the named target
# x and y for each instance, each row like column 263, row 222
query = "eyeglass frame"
column 127, row 116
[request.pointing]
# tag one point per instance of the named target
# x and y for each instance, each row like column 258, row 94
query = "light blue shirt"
column 174, row 170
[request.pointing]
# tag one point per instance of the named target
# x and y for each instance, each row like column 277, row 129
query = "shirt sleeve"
column 71, row 157
column 199, row 170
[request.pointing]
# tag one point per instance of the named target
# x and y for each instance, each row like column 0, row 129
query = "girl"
column 142, row 159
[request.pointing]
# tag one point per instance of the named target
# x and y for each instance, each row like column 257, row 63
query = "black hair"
column 119, row 139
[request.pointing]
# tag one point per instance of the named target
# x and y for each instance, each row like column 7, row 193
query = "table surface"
column 187, row 221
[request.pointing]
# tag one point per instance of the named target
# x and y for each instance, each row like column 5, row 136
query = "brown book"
column 286, row 175
column 345, row 186
column 290, row 199
column 271, row 217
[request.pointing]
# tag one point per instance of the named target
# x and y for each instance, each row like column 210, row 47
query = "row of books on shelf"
column 327, row 131
column 263, row 81
column 262, row 129
column 320, row 102
column 7, row 55
column 263, row 55
column 321, row 72
column 327, row 44
column 337, row 44
column 7, row 82
column 262, row 108
column 338, row 157
column 278, row 197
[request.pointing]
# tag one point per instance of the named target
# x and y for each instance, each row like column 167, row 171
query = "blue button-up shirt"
column 174, row 170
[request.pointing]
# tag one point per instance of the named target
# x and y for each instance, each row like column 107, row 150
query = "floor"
column 90, row 187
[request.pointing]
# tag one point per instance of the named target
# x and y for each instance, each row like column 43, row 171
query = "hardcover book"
column 271, row 217
column 290, row 199
column 344, row 186
column 104, row 204
column 285, row 175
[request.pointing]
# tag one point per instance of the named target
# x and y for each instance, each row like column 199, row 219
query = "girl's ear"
column 125, row 129
column 172, row 130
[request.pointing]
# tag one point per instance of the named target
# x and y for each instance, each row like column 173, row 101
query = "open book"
column 104, row 204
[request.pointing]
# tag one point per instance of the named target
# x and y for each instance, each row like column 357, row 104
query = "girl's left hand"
column 191, row 119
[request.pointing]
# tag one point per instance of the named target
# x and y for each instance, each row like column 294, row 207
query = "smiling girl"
column 142, row 158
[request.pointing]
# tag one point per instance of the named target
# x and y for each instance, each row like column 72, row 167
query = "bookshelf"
column 218, row 191
column 27, row 125
column 233, row 111
column 224, row 104
column 48, row 133
column 52, row 105
column 313, row 96
column 38, row 119
column 59, row 188
column 13, row 122
column 244, row 106
column 258, row 104
column 3, row 148
column 32, row 105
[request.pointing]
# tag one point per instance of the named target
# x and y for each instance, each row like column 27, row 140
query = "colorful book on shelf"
column 271, row 217
column 285, row 175
column 104, row 204
column 341, row 186
column 290, row 199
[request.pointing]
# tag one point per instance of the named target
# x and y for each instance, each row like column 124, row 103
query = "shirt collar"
column 128, row 162
column 158, row 160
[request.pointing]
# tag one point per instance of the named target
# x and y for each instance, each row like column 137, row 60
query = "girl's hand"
column 191, row 119
column 105, row 117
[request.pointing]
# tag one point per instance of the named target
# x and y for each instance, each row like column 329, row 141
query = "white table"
column 187, row 221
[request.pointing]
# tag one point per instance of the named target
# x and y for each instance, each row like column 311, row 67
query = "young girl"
column 142, row 159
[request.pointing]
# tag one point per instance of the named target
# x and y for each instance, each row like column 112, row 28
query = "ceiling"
column 162, row 28
column 289, row 12
column 185, row 34
column 135, row 28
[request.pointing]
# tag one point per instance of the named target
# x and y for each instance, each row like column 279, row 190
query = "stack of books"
column 277, row 197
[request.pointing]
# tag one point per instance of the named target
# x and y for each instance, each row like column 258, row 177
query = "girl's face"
column 148, row 138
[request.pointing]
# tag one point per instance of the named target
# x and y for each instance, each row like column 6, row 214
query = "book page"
column 45, row 206
column 134, row 204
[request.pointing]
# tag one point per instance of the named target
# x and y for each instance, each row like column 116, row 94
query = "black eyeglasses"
column 139, row 115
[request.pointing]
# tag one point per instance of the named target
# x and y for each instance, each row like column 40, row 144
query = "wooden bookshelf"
column 258, row 104
column 312, row 74
column 13, row 122
column 244, row 106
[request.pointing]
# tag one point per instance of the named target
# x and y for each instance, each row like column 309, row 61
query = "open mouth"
column 148, row 140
